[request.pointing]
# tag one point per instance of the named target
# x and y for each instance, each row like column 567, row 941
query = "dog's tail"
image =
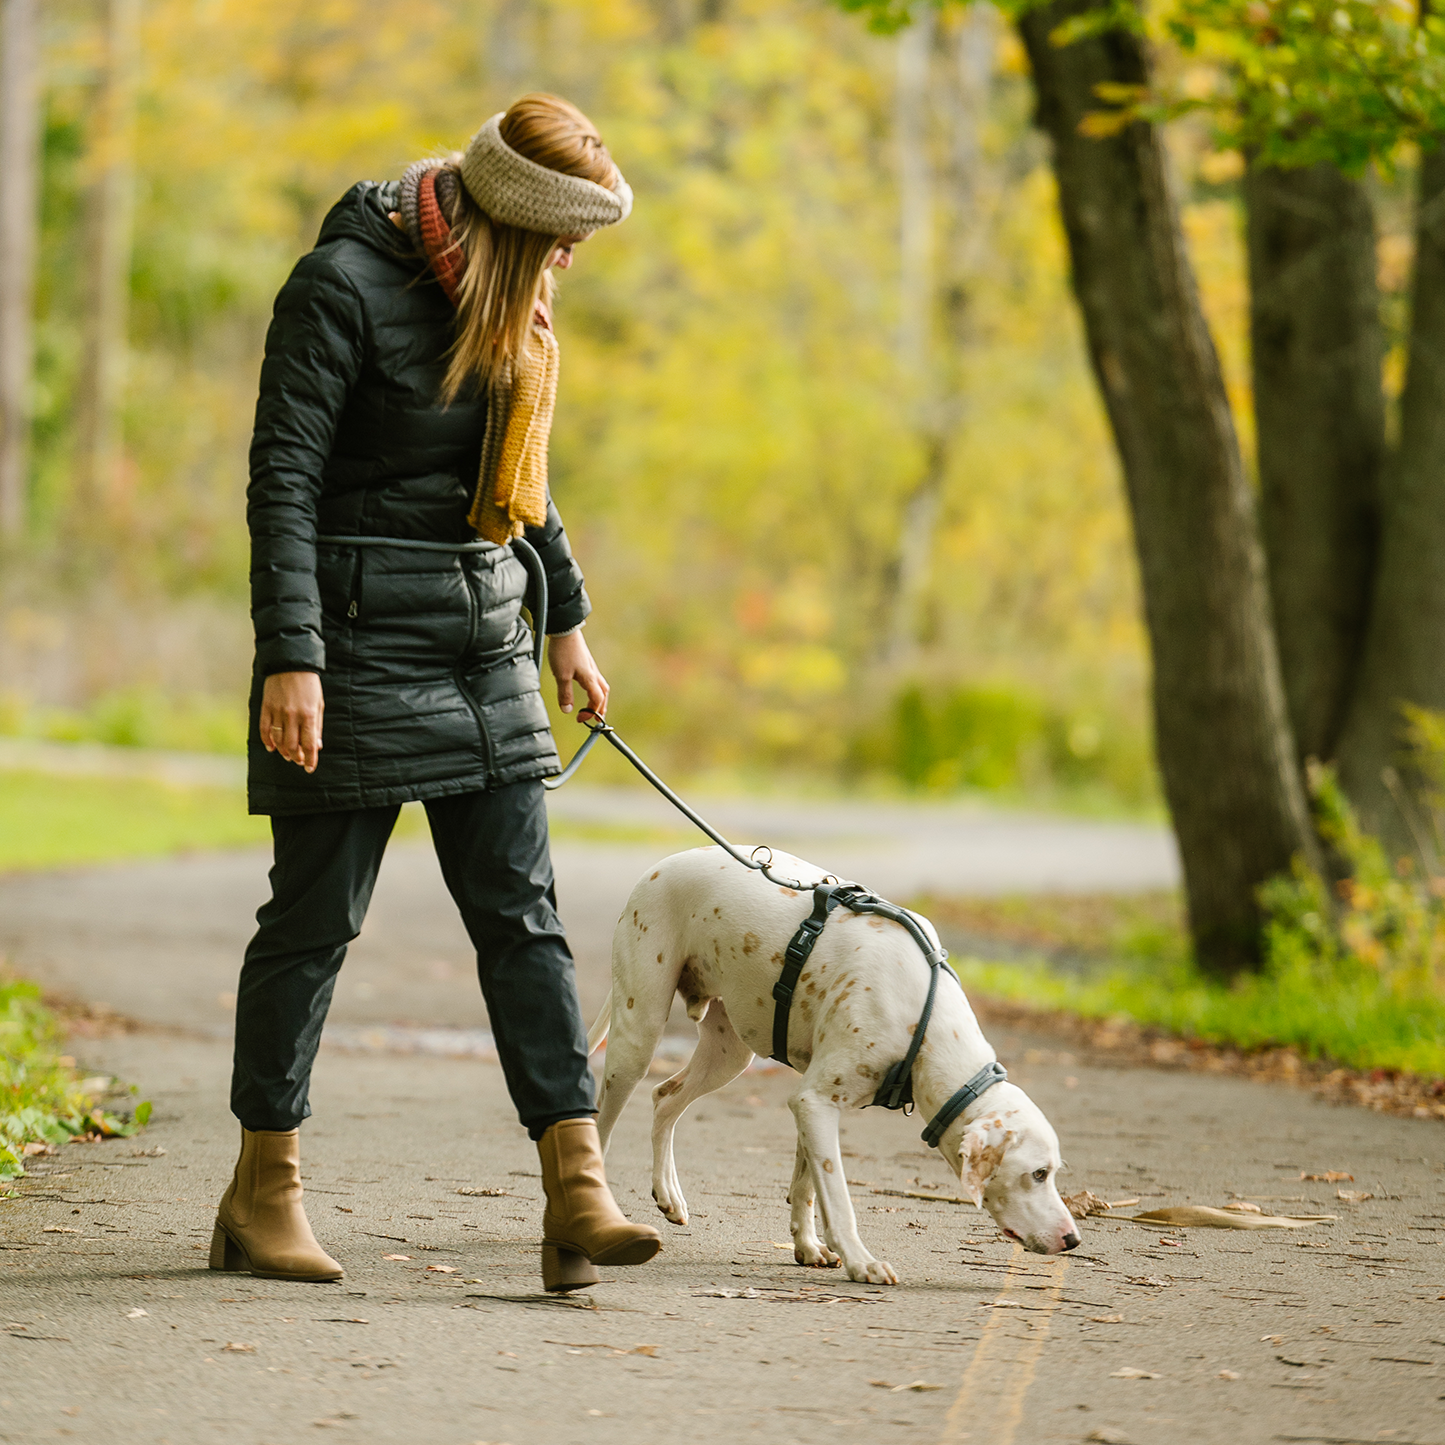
column 598, row 1031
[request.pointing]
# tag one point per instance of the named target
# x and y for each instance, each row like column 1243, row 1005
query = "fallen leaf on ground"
column 748, row 1293
column 1085, row 1203
column 137, row 1314
column 1149, row 1281
column 1271, row 1339
column 1173, row 1243
column 1107, row 1435
column 157, row 1153
column 1330, row 1176
column 649, row 1350
column 238, row 1347
column 1243, row 1206
column 483, row 1193
column 345, row 1209
column 1227, row 1375
column 36, row 1147
column 1200, row 1216
column 441, row 1269
column 916, row 1385
column 1130, row 1373
column 1107, row 1319
column 59, row 1229
column 1353, row 1196
column 404, row 1258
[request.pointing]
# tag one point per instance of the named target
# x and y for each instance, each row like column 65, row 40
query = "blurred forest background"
column 828, row 443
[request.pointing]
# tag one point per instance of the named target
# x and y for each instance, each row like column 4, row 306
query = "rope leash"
column 896, row 1091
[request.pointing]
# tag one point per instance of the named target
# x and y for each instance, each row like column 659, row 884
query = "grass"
column 1104, row 957
column 55, row 822
column 43, row 1101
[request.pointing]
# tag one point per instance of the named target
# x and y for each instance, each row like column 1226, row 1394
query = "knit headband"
column 517, row 192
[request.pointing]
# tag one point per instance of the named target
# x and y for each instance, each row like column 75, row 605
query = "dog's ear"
column 977, row 1159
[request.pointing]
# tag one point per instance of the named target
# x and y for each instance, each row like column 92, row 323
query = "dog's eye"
column 1040, row 1175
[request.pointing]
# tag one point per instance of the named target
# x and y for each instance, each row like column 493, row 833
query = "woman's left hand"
column 571, row 661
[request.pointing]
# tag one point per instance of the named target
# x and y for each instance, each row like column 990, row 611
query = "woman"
column 400, row 447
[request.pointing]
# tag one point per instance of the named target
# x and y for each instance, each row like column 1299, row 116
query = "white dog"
column 701, row 925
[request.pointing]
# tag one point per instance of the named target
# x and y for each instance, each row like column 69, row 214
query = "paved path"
column 161, row 941
column 112, row 1332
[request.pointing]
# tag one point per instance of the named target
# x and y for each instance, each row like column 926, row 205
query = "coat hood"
column 362, row 214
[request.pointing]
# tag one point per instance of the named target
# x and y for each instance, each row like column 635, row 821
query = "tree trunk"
column 19, row 220
column 1222, row 731
column 1320, row 412
column 1404, row 658
column 108, row 208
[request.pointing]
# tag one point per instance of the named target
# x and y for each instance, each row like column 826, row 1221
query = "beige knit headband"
column 518, row 192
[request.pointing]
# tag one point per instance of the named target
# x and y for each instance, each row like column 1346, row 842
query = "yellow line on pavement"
column 990, row 1403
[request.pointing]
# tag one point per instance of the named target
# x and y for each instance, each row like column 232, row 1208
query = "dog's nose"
column 1072, row 1240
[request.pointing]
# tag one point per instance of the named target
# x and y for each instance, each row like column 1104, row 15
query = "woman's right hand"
column 291, row 708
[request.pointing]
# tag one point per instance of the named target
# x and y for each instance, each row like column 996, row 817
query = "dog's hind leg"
column 639, row 1008
column 807, row 1247
column 817, row 1118
column 719, row 1058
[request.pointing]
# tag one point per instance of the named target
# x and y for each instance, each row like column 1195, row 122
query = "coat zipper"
column 353, row 610
column 460, row 680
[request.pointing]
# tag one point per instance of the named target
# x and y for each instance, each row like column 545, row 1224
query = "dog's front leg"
column 807, row 1247
column 817, row 1118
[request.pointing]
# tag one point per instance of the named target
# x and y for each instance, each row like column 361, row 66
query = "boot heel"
column 564, row 1269
column 226, row 1254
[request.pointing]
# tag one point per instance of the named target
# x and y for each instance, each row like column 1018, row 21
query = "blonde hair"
column 506, row 275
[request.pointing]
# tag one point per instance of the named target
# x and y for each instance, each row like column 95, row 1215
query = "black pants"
column 494, row 857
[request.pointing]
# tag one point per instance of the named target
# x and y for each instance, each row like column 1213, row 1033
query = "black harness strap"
column 800, row 947
column 986, row 1078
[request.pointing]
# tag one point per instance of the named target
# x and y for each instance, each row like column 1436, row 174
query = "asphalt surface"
column 113, row 1331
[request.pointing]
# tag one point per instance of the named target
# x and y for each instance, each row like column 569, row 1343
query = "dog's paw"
column 876, row 1271
column 814, row 1256
column 674, row 1211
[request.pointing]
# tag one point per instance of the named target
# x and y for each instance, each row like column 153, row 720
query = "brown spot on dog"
column 867, row 1073
column 777, row 958
column 653, row 876
column 873, row 1045
column 838, row 1080
column 669, row 1086
column 634, row 918
column 788, row 892
column 827, row 1166
column 761, row 1004
column 911, row 1027
column 717, row 912
column 750, row 942
column 630, row 1002
column 659, row 958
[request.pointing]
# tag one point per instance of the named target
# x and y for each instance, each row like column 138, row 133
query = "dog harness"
column 896, row 1091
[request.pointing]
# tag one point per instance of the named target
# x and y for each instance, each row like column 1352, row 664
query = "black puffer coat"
column 426, row 668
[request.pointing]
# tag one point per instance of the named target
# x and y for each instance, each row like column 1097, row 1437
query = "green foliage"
column 42, row 1099
column 1302, row 81
column 134, row 717
column 1006, row 740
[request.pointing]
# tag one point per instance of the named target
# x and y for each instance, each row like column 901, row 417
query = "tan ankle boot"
column 261, row 1225
column 582, row 1225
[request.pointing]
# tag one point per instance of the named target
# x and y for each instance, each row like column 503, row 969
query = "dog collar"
column 985, row 1079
